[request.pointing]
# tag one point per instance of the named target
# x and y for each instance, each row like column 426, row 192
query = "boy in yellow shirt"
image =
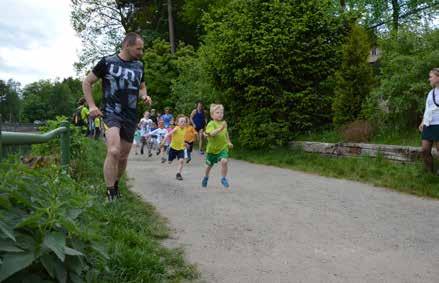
column 189, row 138
column 176, row 148
column 218, row 144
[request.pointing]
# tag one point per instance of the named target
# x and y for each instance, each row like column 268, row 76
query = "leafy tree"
column 354, row 79
column 10, row 106
column 161, row 69
column 102, row 25
column 269, row 58
column 44, row 100
column 399, row 101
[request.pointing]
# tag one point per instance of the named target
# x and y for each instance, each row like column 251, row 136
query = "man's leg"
column 112, row 159
column 125, row 148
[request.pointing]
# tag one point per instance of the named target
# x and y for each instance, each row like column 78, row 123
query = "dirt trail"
column 278, row 225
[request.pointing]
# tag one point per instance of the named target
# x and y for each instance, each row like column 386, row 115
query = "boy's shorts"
column 173, row 153
column 212, row 159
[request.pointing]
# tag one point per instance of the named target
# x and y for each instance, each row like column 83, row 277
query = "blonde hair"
column 181, row 116
column 435, row 71
column 214, row 107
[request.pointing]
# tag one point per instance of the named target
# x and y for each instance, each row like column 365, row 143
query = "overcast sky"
column 37, row 40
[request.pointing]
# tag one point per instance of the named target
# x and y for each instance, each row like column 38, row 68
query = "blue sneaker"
column 224, row 182
column 204, row 181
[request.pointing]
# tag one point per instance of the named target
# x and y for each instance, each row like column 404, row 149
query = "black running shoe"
column 179, row 177
column 111, row 194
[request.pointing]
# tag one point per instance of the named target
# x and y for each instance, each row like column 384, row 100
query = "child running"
column 189, row 138
column 176, row 150
column 218, row 144
column 136, row 141
column 160, row 134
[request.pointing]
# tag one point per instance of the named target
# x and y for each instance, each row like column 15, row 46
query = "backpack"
column 76, row 117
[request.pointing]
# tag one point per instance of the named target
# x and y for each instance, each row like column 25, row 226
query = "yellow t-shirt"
column 97, row 122
column 219, row 142
column 177, row 141
column 190, row 134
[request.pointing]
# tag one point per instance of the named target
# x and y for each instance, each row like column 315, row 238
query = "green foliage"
column 44, row 100
column 10, row 105
column 270, row 59
column 399, row 100
column 354, row 80
column 42, row 216
column 192, row 84
column 161, row 68
column 54, row 227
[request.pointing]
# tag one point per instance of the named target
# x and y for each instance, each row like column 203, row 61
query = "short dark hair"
column 130, row 39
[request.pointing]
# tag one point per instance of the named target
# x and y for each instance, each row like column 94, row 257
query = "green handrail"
column 13, row 138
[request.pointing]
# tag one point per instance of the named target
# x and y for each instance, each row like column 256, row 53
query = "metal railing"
column 14, row 138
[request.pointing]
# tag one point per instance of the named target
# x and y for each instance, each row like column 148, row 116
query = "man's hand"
column 95, row 112
column 147, row 99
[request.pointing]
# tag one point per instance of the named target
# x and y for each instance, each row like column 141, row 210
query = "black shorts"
column 430, row 133
column 173, row 153
column 198, row 128
column 127, row 128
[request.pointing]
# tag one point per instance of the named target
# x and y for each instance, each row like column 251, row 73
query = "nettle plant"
column 45, row 231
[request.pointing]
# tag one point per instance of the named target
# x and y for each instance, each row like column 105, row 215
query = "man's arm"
column 143, row 93
column 87, row 84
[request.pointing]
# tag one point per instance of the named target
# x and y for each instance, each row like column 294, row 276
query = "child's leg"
column 180, row 165
column 207, row 172
column 224, row 167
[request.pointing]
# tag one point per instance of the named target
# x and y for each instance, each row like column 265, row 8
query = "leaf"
column 7, row 230
column 56, row 242
column 49, row 262
column 101, row 250
column 70, row 251
column 7, row 245
column 15, row 262
column 74, row 213
column 4, row 201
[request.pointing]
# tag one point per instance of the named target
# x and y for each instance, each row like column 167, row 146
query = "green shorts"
column 212, row 159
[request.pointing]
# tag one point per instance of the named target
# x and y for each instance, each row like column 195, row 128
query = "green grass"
column 408, row 138
column 133, row 231
column 407, row 178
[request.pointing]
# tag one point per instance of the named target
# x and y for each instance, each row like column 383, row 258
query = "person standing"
column 123, row 83
column 198, row 119
column 430, row 122
column 167, row 117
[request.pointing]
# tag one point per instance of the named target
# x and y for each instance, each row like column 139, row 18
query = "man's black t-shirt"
column 120, row 83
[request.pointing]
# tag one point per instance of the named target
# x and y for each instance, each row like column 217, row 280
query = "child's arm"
column 216, row 132
column 169, row 134
column 228, row 139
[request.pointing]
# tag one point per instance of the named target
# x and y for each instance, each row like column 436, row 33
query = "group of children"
column 177, row 141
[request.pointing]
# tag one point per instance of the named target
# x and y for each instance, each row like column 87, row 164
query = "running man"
column 122, row 83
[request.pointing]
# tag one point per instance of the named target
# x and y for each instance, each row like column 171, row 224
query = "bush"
column 357, row 131
column 399, row 101
column 354, row 80
column 269, row 59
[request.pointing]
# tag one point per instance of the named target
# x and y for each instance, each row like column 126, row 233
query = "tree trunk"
column 171, row 27
column 396, row 10
column 342, row 5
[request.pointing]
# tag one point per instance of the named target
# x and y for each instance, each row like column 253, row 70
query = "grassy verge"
column 409, row 138
column 408, row 178
column 133, row 230
column 56, row 227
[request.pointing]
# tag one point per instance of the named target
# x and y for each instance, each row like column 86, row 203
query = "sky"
column 37, row 40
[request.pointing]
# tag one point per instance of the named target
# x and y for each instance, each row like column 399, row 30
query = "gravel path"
column 279, row 225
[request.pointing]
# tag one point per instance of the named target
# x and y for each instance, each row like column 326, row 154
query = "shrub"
column 357, row 131
column 269, row 58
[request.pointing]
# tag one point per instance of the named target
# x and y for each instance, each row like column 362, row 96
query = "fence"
column 18, row 139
